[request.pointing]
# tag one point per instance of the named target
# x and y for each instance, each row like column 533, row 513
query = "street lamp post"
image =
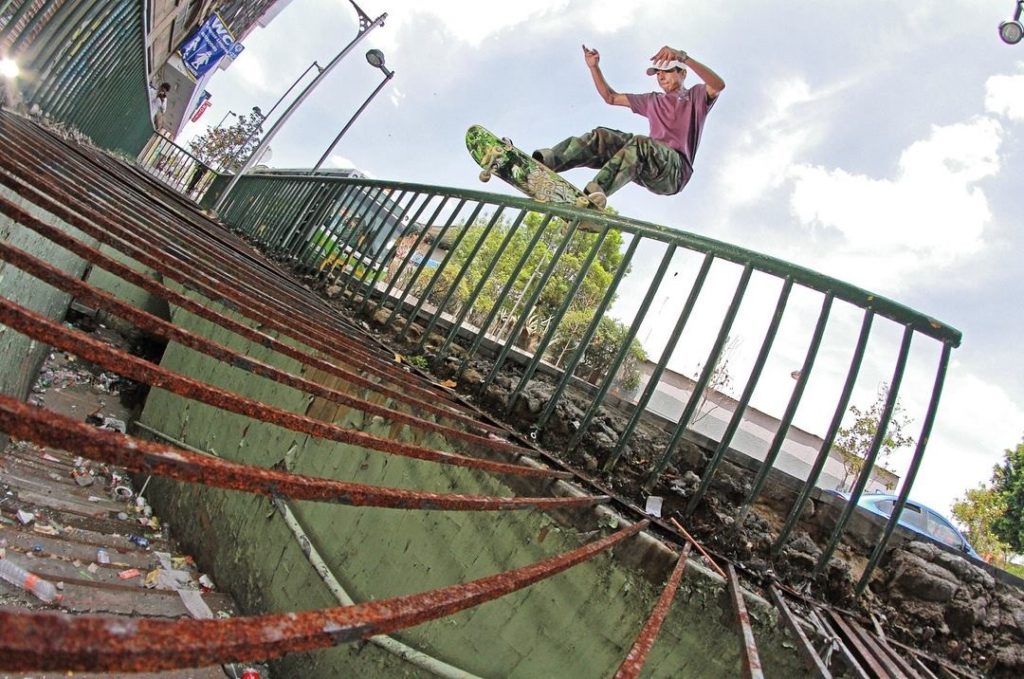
column 365, row 26
column 1011, row 32
column 221, row 123
column 376, row 59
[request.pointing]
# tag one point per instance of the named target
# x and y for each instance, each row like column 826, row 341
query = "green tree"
column 228, row 148
column 571, row 327
column 1008, row 482
column 977, row 512
column 853, row 443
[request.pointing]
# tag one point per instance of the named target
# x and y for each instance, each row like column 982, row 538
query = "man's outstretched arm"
column 593, row 59
column 714, row 82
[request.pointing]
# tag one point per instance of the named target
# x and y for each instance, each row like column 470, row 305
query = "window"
column 940, row 529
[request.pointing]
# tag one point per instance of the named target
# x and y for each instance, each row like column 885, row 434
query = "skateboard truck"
column 493, row 158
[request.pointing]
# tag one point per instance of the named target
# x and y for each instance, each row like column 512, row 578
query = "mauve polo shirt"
column 676, row 118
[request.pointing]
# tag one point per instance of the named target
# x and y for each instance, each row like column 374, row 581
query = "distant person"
column 160, row 106
column 661, row 162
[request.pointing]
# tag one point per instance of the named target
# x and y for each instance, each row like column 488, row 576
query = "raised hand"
column 667, row 54
column 592, row 57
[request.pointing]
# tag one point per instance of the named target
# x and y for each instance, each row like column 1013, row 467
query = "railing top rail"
column 808, row 278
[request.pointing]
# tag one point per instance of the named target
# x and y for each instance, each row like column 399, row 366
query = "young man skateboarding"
column 663, row 161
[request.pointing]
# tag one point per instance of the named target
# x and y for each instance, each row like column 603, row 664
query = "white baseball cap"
column 666, row 66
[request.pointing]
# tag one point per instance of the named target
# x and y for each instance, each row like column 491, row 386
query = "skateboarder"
column 663, row 161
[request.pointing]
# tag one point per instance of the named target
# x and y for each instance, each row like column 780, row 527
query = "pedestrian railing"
column 574, row 303
column 176, row 167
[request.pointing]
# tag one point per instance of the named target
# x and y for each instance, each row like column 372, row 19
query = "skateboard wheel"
column 485, row 175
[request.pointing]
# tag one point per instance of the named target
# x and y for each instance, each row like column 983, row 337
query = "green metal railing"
column 407, row 249
column 83, row 64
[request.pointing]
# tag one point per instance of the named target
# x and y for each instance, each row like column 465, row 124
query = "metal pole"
column 221, row 123
column 389, row 76
column 365, row 26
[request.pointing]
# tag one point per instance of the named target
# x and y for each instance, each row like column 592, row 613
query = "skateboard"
column 500, row 158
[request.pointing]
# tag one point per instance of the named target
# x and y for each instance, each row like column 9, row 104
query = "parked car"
column 919, row 518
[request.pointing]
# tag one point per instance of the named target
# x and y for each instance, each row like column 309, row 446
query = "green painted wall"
column 20, row 356
column 577, row 624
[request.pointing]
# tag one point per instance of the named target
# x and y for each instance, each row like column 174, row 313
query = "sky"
column 878, row 142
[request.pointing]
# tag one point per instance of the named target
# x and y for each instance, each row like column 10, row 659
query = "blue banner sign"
column 202, row 51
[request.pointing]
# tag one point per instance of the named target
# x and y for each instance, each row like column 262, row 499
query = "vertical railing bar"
column 641, row 314
column 787, row 418
column 666, row 353
column 741, row 405
column 279, row 207
column 377, row 258
column 830, row 434
column 876, row 444
column 505, row 290
column 420, row 268
column 541, row 348
column 298, row 193
column 331, row 206
column 549, row 334
column 292, row 241
column 432, row 283
column 453, row 286
column 404, row 232
column 577, row 356
column 510, row 234
column 436, row 278
column 915, row 464
column 405, row 263
column 347, row 224
column 531, row 302
column 705, row 377
column 384, row 200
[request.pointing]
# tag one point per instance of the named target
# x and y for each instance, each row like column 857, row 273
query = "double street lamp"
column 376, row 59
column 365, row 26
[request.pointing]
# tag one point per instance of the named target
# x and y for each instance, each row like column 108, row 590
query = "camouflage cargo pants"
column 620, row 158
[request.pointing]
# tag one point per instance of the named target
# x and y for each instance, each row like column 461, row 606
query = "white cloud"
column 471, row 21
column 248, row 67
column 764, row 155
column 340, row 161
column 1004, row 94
column 977, row 421
column 930, row 213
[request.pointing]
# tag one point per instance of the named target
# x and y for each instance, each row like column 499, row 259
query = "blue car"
column 918, row 518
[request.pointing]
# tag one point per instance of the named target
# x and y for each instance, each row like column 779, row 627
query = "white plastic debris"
column 654, row 503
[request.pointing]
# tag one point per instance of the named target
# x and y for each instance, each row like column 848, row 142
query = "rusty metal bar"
column 207, row 283
column 169, row 332
column 864, row 654
column 748, row 645
column 79, row 344
column 47, row 428
column 637, row 656
column 152, row 286
column 692, row 541
column 896, row 666
column 815, row 665
column 852, row 664
column 44, row 641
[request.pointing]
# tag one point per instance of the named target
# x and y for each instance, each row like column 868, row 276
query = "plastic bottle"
column 16, row 575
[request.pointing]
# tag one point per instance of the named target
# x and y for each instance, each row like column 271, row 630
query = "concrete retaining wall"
column 579, row 623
